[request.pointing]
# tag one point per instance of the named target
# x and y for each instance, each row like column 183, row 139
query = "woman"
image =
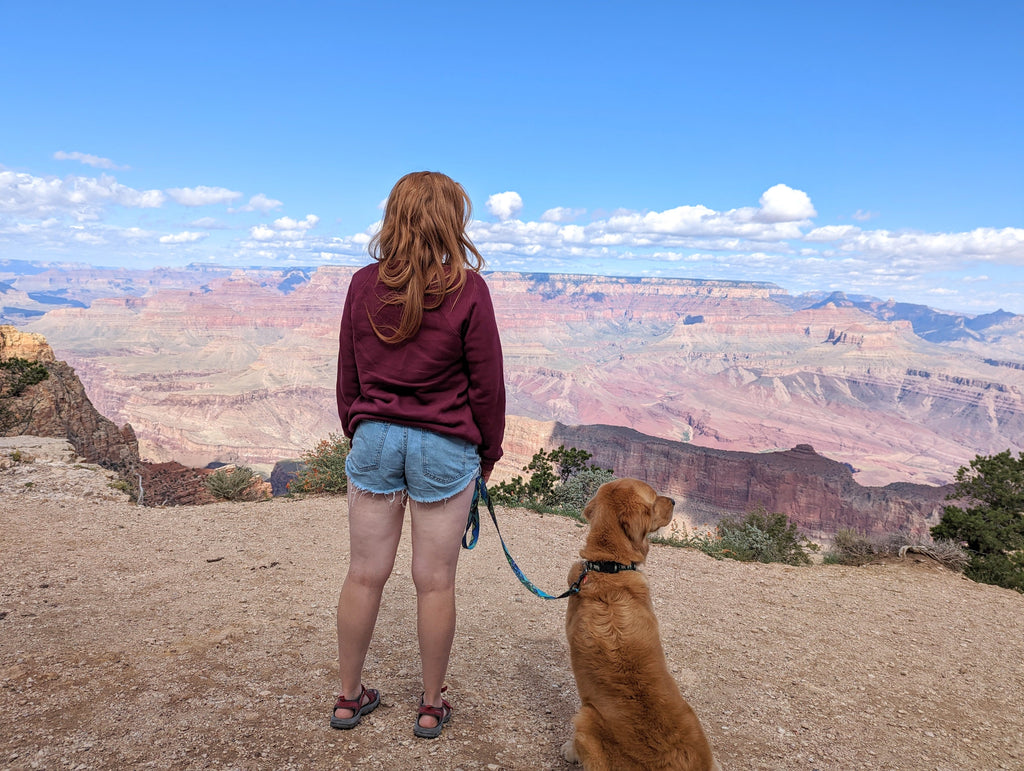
column 421, row 394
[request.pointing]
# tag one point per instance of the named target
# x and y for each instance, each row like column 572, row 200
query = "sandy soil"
column 203, row 637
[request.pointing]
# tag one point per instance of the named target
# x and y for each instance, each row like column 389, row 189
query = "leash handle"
column 472, row 533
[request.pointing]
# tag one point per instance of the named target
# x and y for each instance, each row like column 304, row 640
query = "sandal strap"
column 437, row 713
column 354, row 704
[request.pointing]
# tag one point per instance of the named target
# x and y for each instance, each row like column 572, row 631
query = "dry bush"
column 852, row 548
column 945, row 552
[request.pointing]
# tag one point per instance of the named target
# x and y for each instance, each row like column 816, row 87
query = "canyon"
column 238, row 367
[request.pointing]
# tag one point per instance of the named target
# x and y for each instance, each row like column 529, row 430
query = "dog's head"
column 621, row 515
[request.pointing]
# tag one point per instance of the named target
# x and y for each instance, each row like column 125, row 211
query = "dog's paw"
column 569, row 752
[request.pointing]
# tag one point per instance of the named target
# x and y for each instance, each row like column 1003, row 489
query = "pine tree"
column 989, row 518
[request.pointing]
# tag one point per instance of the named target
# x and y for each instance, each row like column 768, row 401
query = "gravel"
column 203, row 637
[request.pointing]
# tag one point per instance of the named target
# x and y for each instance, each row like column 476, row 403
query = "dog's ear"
column 635, row 519
column 662, row 514
column 588, row 510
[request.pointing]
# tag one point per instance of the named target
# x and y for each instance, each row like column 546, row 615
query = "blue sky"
column 872, row 148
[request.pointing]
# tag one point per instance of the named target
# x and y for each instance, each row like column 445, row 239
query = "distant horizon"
column 853, row 296
column 873, row 150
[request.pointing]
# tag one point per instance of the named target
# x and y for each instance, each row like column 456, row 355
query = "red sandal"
column 358, row 707
column 441, row 714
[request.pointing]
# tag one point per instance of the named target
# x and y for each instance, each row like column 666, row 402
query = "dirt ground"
column 203, row 637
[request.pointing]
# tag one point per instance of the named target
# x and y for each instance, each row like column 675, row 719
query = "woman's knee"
column 434, row 578
column 368, row 576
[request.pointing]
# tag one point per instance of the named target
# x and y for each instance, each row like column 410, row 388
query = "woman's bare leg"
column 437, row 530
column 375, row 528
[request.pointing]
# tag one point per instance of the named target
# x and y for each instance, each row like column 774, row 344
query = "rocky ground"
column 203, row 637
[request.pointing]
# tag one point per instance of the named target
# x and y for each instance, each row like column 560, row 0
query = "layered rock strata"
column 58, row 407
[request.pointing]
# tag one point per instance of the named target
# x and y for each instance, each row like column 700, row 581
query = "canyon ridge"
column 209, row 365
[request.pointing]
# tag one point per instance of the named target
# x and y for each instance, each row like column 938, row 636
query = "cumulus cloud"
column 1001, row 245
column 185, row 237
column 862, row 215
column 505, row 205
column 284, row 229
column 202, row 195
column 89, row 160
column 287, row 223
column 81, row 197
column 781, row 203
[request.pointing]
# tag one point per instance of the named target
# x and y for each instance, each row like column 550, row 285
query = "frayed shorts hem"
column 459, row 487
column 388, row 458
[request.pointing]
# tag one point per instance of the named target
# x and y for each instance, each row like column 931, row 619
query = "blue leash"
column 473, row 533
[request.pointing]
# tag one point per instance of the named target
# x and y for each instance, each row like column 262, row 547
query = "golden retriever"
column 632, row 715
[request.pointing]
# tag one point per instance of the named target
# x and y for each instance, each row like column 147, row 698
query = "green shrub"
column 234, row 483
column 758, row 537
column 18, row 374
column 562, row 482
column 324, row 468
column 989, row 518
column 763, row 537
column 574, row 493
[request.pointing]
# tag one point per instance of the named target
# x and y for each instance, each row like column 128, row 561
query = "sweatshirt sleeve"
column 347, row 386
column 486, row 376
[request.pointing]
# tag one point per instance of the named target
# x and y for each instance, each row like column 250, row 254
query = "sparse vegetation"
column 324, row 469
column 757, row 537
column 235, row 483
column 989, row 520
column 852, row 548
column 561, row 482
column 18, row 374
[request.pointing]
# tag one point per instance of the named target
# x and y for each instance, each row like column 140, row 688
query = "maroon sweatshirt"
column 447, row 378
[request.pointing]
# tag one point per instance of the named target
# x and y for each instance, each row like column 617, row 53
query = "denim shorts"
column 386, row 458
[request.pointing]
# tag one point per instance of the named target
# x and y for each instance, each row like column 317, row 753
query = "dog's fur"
column 633, row 715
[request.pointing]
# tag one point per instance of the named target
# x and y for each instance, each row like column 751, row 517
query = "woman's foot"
column 430, row 720
column 348, row 712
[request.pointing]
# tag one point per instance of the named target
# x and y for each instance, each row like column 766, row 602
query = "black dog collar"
column 608, row 567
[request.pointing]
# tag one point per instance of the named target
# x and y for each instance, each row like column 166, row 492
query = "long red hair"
column 422, row 247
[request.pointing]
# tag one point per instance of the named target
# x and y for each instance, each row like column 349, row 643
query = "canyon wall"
column 816, row 493
column 59, row 407
column 240, row 368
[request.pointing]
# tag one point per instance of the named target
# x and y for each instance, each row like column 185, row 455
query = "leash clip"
column 469, row 539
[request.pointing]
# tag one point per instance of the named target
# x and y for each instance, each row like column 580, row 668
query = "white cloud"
column 185, row 237
column 285, row 230
column 505, row 205
column 832, row 233
column 81, row 197
column 202, row 195
column 562, row 214
column 262, row 233
column 862, row 215
column 1005, row 245
column 262, row 204
column 287, row 223
column 87, row 159
column 781, row 203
